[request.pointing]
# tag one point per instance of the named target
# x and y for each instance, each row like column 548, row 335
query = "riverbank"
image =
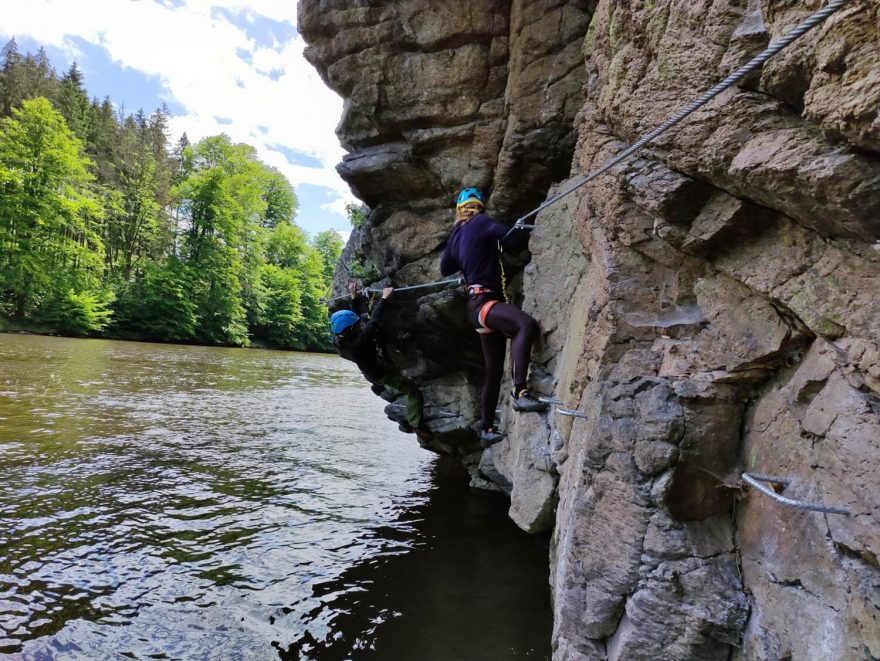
column 11, row 328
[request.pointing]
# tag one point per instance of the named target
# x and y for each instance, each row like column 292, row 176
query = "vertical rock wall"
column 709, row 308
column 441, row 95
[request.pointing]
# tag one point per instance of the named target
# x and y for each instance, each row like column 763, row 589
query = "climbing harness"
column 483, row 314
column 755, row 479
column 372, row 290
column 474, row 292
column 725, row 84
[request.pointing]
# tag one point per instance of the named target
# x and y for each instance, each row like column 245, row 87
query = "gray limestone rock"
column 710, row 307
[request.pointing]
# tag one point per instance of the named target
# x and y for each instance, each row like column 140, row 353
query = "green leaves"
column 104, row 228
column 79, row 313
column 49, row 246
column 159, row 304
column 329, row 244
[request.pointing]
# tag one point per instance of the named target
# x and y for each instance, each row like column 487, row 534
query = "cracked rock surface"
column 709, row 307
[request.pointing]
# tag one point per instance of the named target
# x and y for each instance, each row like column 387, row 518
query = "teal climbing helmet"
column 342, row 319
column 469, row 195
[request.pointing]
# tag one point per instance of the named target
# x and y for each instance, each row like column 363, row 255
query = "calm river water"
column 162, row 501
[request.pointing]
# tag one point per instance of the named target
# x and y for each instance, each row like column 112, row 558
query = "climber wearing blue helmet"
column 474, row 249
column 468, row 195
column 354, row 336
column 343, row 319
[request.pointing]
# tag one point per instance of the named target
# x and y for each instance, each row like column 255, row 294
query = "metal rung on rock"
column 556, row 402
column 573, row 414
column 440, row 414
column 755, row 479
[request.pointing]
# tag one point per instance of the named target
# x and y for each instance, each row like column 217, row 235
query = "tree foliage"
column 106, row 226
column 50, row 251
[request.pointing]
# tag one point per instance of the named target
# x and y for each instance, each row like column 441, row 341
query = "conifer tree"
column 73, row 102
column 24, row 77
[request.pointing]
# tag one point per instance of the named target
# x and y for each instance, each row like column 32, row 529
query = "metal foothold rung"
column 441, row 414
column 573, row 414
column 755, row 479
column 550, row 400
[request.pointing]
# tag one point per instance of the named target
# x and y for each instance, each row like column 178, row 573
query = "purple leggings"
column 505, row 320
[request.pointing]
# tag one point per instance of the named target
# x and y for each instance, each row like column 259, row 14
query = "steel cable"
column 375, row 290
column 725, row 84
column 755, row 479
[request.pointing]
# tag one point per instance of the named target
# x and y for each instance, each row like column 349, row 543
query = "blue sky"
column 231, row 66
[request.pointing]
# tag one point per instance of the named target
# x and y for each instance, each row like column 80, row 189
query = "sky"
column 221, row 66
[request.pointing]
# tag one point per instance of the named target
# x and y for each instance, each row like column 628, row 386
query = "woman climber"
column 473, row 248
column 354, row 336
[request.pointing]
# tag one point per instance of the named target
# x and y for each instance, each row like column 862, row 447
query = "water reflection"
column 470, row 585
column 189, row 502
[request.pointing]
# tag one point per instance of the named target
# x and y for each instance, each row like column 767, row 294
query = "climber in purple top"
column 473, row 249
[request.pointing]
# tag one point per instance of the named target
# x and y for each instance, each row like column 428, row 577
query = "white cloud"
column 275, row 98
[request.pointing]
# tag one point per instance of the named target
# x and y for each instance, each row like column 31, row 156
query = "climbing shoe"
column 524, row 402
column 489, row 437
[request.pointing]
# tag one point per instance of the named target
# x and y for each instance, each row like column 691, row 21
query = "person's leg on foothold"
column 493, row 357
column 523, row 330
column 415, row 410
column 415, row 417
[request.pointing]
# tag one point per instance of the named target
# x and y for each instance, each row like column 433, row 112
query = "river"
column 164, row 501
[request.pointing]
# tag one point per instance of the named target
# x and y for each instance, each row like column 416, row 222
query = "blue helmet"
column 342, row 319
column 469, row 195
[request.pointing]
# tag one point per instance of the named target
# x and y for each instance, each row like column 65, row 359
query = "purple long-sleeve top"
column 472, row 248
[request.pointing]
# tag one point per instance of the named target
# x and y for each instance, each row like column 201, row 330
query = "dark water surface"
column 161, row 501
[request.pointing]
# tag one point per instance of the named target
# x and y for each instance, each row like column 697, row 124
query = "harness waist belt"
column 477, row 290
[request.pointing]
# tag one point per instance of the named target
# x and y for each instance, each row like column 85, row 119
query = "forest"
column 110, row 228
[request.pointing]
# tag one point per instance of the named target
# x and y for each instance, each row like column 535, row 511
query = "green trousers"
column 414, row 403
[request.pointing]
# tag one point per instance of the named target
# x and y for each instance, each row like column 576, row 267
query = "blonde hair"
column 467, row 211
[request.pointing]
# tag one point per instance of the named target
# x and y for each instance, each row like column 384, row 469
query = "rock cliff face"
column 710, row 307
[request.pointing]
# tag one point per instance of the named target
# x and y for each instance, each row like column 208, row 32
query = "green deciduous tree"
column 159, row 303
column 133, row 227
column 49, row 246
column 329, row 244
column 99, row 213
column 220, row 199
column 280, row 200
column 313, row 286
column 282, row 313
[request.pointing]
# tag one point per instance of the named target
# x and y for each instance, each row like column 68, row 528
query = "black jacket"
column 358, row 343
column 473, row 249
